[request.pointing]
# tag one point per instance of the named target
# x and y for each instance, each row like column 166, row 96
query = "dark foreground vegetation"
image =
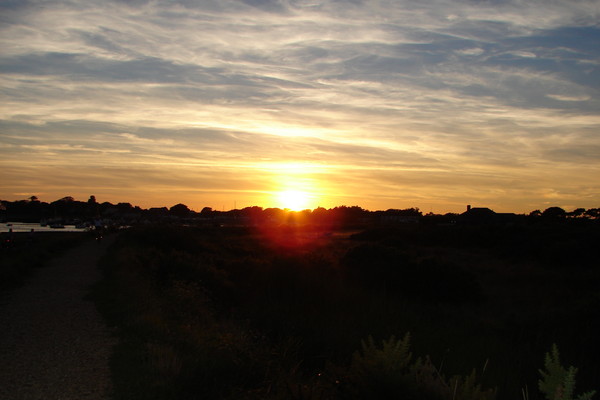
column 291, row 312
column 21, row 253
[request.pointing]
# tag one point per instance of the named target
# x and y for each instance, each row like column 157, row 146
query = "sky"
column 226, row 104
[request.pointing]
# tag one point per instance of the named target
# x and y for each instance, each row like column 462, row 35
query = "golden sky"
column 433, row 104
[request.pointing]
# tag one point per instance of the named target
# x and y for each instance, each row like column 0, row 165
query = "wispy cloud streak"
column 394, row 103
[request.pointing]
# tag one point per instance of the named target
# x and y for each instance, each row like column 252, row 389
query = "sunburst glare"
column 294, row 200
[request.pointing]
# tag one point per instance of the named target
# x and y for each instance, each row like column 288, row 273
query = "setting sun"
column 294, row 200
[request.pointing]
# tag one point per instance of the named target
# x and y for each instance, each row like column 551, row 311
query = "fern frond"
column 587, row 395
column 393, row 356
column 551, row 384
column 569, row 383
column 558, row 383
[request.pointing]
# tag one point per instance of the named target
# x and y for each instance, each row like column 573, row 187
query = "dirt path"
column 53, row 342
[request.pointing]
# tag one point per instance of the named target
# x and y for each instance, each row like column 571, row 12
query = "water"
column 28, row 226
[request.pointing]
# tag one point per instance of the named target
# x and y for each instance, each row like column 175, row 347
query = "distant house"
column 484, row 215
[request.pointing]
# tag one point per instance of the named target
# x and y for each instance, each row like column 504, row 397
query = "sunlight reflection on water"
column 27, row 227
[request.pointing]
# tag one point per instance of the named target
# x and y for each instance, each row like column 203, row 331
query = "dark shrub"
column 388, row 269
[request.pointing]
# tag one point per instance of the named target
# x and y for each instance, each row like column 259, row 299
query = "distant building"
column 484, row 215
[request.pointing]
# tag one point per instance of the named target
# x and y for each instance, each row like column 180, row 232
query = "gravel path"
column 53, row 342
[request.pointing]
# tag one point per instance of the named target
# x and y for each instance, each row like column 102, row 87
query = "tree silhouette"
column 554, row 212
column 576, row 213
column 593, row 213
column 66, row 199
column 206, row 211
column 179, row 210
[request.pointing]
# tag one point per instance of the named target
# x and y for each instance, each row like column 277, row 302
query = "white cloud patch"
column 566, row 97
column 474, row 51
column 525, row 54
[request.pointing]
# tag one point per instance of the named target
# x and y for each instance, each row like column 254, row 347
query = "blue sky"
column 382, row 104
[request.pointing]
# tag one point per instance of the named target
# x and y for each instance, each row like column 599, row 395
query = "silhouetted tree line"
column 66, row 208
column 69, row 209
column 557, row 212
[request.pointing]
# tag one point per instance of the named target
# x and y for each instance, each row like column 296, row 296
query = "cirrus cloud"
column 385, row 103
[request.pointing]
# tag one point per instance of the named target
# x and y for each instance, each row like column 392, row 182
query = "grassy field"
column 288, row 312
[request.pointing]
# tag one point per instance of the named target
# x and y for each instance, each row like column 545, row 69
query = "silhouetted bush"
column 391, row 270
column 435, row 281
column 375, row 264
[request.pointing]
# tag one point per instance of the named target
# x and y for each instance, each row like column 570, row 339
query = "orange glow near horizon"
column 296, row 187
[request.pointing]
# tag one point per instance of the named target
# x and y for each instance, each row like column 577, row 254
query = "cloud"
column 563, row 97
column 83, row 67
column 373, row 95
